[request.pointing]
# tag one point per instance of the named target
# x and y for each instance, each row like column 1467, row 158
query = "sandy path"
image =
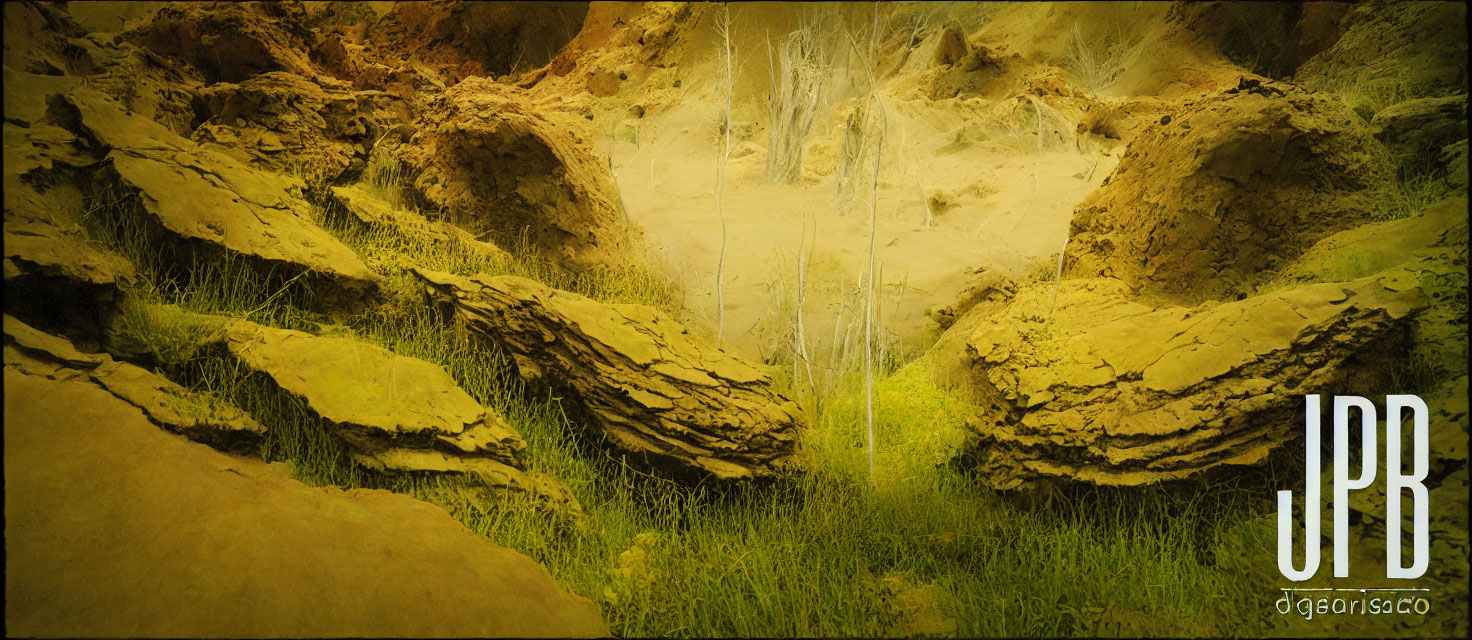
column 117, row 528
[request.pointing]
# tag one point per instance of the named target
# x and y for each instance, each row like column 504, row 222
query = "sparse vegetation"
column 1098, row 58
column 1411, row 194
column 384, row 174
column 821, row 553
column 723, row 26
column 798, row 66
column 1367, row 97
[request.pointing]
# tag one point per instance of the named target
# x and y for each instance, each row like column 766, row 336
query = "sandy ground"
column 1009, row 209
column 116, row 528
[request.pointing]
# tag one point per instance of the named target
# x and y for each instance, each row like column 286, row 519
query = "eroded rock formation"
column 1206, row 202
column 53, row 275
column 1416, row 131
column 205, row 202
column 231, row 41
column 288, row 124
column 499, row 167
column 1417, row 48
column 650, row 387
column 1114, row 391
column 119, row 529
column 464, row 39
column 374, row 214
column 395, row 414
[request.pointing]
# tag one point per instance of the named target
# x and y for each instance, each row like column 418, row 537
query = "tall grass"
column 197, row 278
column 1368, row 96
column 385, row 174
column 923, row 551
column 869, row 311
column 723, row 27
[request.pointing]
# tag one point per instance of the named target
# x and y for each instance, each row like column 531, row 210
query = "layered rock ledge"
column 650, row 387
column 1114, row 391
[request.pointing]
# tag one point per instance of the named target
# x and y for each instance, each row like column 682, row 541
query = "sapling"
column 613, row 173
column 653, row 155
column 925, row 200
column 800, row 350
column 1037, row 160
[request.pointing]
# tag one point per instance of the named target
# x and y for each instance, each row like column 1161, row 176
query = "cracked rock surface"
column 396, row 414
column 1236, row 184
column 1114, row 391
column 209, row 200
column 496, row 164
column 649, row 386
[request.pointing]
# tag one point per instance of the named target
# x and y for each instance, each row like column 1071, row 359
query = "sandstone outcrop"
column 231, row 41
column 395, row 414
column 53, row 276
column 1234, row 185
column 204, row 202
column 376, row 215
column 46, row 41
column 985, row 286
column 1114, row 391
column 1418, row 49
column 1416, row 131
column 459, row 40
column 500, row 167
column 652, row 389
column 288, row 124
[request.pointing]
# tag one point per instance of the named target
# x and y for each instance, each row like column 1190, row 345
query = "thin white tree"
column 723, row 28
column 873, row 222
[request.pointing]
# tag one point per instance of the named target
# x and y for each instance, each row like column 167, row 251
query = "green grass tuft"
column 1412, row 194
